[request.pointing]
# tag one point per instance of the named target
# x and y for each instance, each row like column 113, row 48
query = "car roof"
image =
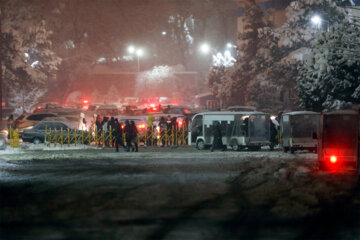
column 47, row 121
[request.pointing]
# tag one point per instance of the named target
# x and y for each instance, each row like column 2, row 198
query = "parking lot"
column 177, row 193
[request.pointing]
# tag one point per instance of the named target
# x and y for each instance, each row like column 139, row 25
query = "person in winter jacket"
column 111, row 124
column 93, row 123
column 10, row 124
column 174, row 129
column 134, row 136
column 149, row 130
column 127, row 130
column 163, row 128
column 217, row 142
column 273, row 135
column 98, row 123
column 118, row 135
column 82, row 122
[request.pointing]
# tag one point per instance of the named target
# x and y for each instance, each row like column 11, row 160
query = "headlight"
column 28, row 128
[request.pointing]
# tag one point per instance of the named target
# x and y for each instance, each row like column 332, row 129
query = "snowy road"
column 178, row 194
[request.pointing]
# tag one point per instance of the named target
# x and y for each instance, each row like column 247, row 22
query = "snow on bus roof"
column 229, row 113
column 301, row 113
column 339, row 112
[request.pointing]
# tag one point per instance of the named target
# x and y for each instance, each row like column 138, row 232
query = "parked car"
column 2, row 142
column 107, row 109
column 37, row 133
column 30, row 120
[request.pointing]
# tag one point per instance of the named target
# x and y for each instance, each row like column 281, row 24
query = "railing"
column 150, row 137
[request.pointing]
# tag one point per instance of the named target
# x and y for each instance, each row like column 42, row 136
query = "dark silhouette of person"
column 217, row 142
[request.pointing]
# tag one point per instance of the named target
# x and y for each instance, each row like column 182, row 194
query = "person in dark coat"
column 217, row 142
column 98, row 123
column 118, row 135
column 134, row 136
column 273, row 135
column 10, row 124
column 163, row 127
column 127, row 131
column 174, row 129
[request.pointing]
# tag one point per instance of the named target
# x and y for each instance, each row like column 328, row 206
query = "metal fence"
column 150, row 137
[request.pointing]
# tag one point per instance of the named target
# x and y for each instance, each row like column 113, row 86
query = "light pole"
column 138, row 52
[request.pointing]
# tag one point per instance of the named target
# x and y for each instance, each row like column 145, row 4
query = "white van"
column 239, row 129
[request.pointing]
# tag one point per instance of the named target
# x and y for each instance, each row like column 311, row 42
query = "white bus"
column 296, row 131
column 239, row 130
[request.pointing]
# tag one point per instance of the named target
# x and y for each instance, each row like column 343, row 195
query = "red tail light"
column 180, row 123
column 333, row 159
column 86, row 101
column 154, row 109
column 122, row 126
column 38, row 107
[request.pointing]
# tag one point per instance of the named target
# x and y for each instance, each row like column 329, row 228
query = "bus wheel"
column 285, row 149
column 200, row 145
column 235, row 146
column 292, row 150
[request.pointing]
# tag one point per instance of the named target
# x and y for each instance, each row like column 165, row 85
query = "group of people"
column 107, row 124
column 165, row 126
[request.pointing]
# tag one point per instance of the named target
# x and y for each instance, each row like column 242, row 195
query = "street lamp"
column 131, row 49
column 205, row 48
column 317, row 20
column 138, row 52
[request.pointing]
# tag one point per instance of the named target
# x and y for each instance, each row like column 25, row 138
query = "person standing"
column 82, row 122
column 217, row 142
column 10, row 124
column 168, row 130
column 134, row 136
column 118, row 135
column 163, row 127
column 273, row 135
column 149, row 130
column 174, row 129
column 127, row 131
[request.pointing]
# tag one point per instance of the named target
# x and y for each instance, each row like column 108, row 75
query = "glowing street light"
column 138, row 52
column 163, row 33
column 205, row 48
column 131, row 49
column 317, row 21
